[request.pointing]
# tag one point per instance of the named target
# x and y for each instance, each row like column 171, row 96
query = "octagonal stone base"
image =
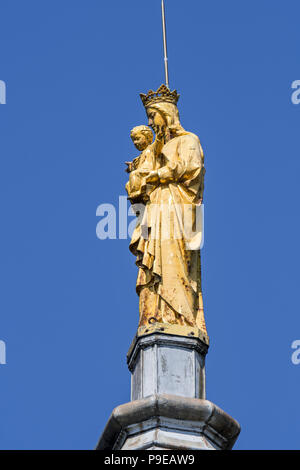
column 171, row 423
column 164, row 363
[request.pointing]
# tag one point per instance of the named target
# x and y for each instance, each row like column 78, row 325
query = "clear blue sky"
column 69, row 311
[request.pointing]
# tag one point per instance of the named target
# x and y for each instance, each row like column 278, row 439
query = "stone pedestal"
column 169, row 422
column 167, row 364
column 168, row 408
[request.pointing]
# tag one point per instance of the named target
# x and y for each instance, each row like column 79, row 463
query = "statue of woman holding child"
column 167, row 178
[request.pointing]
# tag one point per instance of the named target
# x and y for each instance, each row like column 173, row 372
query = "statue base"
column 168, row 408
column 164, row 363
column 169, row 422
column 176, row 330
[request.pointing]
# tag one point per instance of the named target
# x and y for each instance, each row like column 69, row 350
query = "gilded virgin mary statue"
column 167, row 180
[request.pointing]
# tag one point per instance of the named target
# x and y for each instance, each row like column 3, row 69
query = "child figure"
column 141, row 166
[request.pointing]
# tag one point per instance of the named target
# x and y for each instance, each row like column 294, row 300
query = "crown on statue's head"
column 162, row 94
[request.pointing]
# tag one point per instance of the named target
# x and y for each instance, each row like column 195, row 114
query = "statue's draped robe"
column 168, row 255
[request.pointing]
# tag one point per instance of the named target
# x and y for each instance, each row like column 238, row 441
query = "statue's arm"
column 186, row 168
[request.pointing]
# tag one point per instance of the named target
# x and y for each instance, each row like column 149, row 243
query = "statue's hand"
column 152, row 177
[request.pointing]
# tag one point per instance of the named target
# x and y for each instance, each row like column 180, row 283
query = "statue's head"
column 161, row 109
column 142, row 137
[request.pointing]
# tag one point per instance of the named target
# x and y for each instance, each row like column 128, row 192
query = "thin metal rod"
column 165, row 42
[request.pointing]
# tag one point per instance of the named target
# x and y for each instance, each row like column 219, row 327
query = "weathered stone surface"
column 169, row 422
column 167, row 364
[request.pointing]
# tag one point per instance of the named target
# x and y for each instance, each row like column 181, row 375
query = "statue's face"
column 155, row 120
column 140, row 141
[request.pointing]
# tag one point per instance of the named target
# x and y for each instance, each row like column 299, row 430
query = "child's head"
column 142, row 137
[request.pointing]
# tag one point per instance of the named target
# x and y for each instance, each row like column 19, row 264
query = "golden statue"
column 168, row 178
